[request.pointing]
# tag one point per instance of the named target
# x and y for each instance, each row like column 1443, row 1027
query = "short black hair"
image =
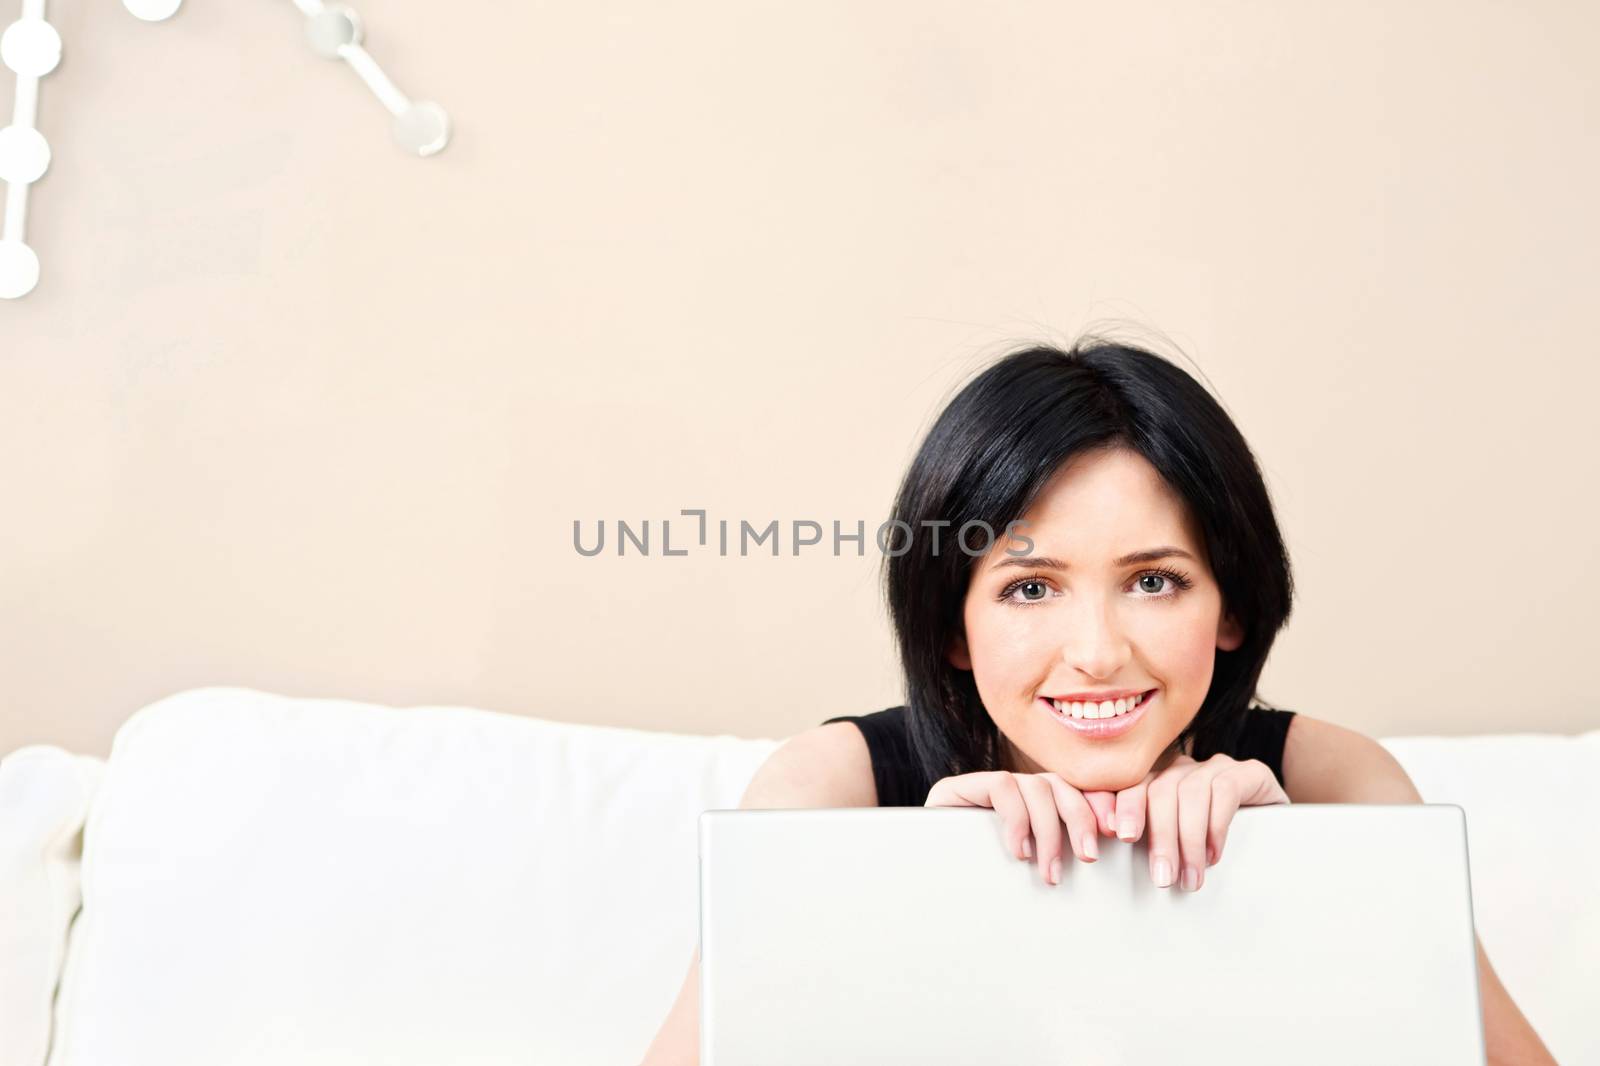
column 987, row 457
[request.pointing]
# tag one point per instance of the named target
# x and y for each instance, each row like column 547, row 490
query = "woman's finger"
column 996, row 789
column 1104, row 806
column 1225, row 794
column 1006, row 799
column 1161, row 823
column 1194, row 822
column 1130, row 810
column 1074, row 809
column 1045, row 820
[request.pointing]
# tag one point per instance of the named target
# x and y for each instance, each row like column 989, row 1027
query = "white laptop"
column 1328, row 934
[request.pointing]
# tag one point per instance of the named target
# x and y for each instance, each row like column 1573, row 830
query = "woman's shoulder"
column 1325, row 762
column 897, row 780
column 824, row 766
column 887, row 733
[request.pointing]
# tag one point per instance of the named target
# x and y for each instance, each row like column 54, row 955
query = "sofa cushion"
column 273, row 880
column 44, row 797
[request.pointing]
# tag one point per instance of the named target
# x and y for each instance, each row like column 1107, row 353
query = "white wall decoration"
column 31, row 48
column 421, row 127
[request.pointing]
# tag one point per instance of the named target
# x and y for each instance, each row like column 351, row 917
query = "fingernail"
column 1090, row 848
column 1211, row 856
column 1191, row 879
column 1027, row 848
column 1055, row 870
column 1128, row 829
column 1163, row 872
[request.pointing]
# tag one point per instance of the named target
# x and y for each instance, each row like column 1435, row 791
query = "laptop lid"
column 1328, row 934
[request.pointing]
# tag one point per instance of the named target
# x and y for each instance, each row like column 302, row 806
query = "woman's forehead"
column 1105, row 505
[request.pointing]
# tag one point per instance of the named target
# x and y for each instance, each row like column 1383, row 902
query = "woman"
column 1089, row 583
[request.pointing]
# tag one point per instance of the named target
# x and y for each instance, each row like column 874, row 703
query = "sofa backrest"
column 268, row 879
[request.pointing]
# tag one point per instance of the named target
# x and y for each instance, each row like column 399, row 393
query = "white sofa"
column 273, row 880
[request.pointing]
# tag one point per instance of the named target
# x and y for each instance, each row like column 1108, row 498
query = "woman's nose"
column 1094, row 642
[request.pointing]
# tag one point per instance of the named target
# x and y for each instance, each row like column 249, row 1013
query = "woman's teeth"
column 1108, row 709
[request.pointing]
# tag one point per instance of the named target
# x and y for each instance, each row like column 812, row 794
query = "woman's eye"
column 1162, row 584
column 1029, row 590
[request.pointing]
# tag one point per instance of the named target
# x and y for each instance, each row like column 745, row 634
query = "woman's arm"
column 825, row 766
column 677, row 1042
column 1326, row 763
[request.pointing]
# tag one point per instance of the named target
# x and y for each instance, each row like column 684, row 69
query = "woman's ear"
column 958, row 655
column 1230, row 634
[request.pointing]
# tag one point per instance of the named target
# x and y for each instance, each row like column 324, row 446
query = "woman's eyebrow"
column 1045, row 562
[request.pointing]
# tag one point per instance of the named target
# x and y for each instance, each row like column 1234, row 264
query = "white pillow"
column 272, row 880
column 44, row 797
column 1532, row 808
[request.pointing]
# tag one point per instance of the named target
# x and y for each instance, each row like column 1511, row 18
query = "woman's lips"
column 1100, row 728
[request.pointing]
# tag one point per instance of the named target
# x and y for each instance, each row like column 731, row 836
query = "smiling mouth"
column 1104, row 709
column 1111, row 718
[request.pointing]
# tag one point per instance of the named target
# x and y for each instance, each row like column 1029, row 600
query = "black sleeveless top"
column 901, row 782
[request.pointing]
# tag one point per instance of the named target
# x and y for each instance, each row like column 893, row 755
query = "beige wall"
column 292, row 410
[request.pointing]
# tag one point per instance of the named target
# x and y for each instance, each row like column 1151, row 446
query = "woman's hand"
column 1187, row 806
column 1033, row 807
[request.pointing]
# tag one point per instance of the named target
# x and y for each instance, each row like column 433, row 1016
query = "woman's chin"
column 1104, row 775
column 1103, row 782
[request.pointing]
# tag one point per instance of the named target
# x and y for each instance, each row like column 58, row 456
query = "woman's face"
column 1080, row 618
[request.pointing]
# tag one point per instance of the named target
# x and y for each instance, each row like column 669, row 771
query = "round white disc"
column 31, row 46
column 24, row 154
column 19, row 270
